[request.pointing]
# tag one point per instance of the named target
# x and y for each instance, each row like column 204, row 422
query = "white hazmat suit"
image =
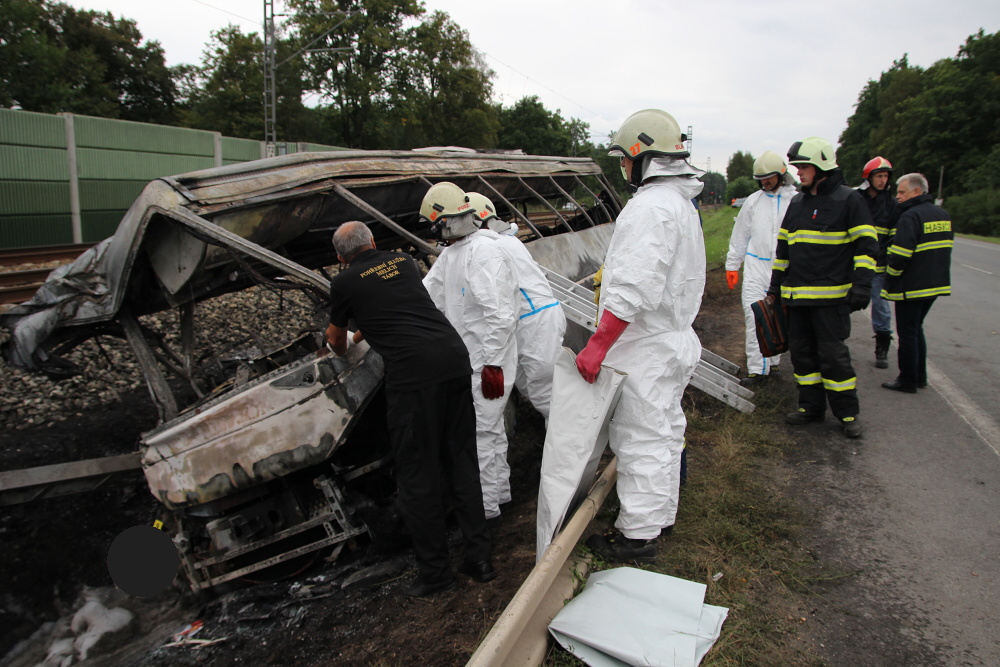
column 654, row 277
column 473, row 285
column 755, row 234
column 541, row 323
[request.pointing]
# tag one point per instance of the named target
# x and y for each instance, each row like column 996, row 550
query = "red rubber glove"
column 732, row 277
column 492, row 382
column 588, row 362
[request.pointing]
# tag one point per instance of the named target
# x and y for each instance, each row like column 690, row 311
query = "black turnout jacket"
column 827, row 245
column 919, row 259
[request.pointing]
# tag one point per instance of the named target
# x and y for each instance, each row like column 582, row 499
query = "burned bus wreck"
column 266, row 449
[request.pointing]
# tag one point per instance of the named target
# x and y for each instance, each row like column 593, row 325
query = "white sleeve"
column 492, row 285
column 739, row 240
column 637, row 261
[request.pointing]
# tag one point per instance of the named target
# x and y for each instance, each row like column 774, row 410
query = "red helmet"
column 876, row 164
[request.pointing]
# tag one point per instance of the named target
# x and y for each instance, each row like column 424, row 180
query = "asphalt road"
column 910, row 513
column 963, row 330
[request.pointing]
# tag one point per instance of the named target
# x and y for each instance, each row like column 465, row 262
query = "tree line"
column 391, row 75
column 941, row 120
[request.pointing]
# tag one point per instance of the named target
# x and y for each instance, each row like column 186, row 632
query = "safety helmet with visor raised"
column 815, row 151
column 771, row 164
column 875, row 165
column 447, row 208
column 650, row 132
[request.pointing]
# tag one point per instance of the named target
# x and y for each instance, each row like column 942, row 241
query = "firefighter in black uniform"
column 823, row 267
column 918, row 272
column 431, row 417
column 875, row 186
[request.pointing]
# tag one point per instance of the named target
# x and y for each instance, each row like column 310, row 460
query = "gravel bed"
column 108, row 367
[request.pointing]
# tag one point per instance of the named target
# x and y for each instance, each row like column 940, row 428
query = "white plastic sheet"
column 577, row 434
column 627, row 616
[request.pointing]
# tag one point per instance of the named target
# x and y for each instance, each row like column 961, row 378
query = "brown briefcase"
column 772, row 327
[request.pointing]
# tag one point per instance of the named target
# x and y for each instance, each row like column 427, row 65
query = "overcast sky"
column 749, row 75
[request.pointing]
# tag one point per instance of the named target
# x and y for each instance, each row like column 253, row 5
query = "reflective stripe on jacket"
column 826, row 244
column 885, row 212
column 919, row 259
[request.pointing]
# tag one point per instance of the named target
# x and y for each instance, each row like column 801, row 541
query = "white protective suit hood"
column 657, row 165
column 458, row 226
column 502, row 227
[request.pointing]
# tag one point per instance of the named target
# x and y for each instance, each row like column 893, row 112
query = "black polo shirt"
column 385, row 296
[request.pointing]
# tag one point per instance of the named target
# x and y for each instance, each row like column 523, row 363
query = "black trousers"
column 433, row 432
column 821, row 360
column 911, row 355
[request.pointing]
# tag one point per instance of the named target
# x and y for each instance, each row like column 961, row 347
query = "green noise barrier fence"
column 68, row 178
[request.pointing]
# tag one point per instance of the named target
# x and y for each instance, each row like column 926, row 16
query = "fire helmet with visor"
column 447, row 208
column 650, row 132
column 815, row 151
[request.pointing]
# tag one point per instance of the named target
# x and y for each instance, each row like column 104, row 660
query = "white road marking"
column 989, row 273
column 984, row 425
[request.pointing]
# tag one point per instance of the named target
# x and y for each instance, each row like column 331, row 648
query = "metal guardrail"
column 714, row 375
column 520, row 636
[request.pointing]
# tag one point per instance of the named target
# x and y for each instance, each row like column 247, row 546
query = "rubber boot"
column 882, row 341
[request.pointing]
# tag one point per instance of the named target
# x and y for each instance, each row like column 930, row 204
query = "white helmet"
column 487, row 213
column 771, row 164
column 815, row 151
column 447, row 208
column 649, row 132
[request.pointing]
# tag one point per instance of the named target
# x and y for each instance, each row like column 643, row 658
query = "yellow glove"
column 597, row 285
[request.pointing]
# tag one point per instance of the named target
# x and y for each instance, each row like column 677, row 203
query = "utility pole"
column 270, row 102
column 270, row 68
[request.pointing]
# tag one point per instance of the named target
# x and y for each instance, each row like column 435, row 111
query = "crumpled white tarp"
column 628, row 616
column 579, row 417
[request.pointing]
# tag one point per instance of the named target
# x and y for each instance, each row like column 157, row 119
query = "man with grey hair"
column 918, row 271
column 431, row 416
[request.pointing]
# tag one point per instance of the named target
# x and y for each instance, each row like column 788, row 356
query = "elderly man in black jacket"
column 823, row 267
column 918, row 272
column 431, row 416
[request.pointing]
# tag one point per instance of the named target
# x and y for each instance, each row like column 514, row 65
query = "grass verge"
column 733, row 518
column 717, row 225
column 976, row 237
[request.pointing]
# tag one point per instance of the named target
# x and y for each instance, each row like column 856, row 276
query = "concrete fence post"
column 217, row 142
column 74, row 181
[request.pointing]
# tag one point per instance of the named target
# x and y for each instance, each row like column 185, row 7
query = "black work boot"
column 614, row 546
column 753, row 379
column 852, row 427
column 803, row 416
column 882, row 341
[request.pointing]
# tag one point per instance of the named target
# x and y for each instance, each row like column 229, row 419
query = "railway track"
column 17, row 284
column 20, row 286
column 41, row 255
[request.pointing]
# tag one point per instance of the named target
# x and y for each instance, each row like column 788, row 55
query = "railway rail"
column 42, row 254
column 18, row 285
